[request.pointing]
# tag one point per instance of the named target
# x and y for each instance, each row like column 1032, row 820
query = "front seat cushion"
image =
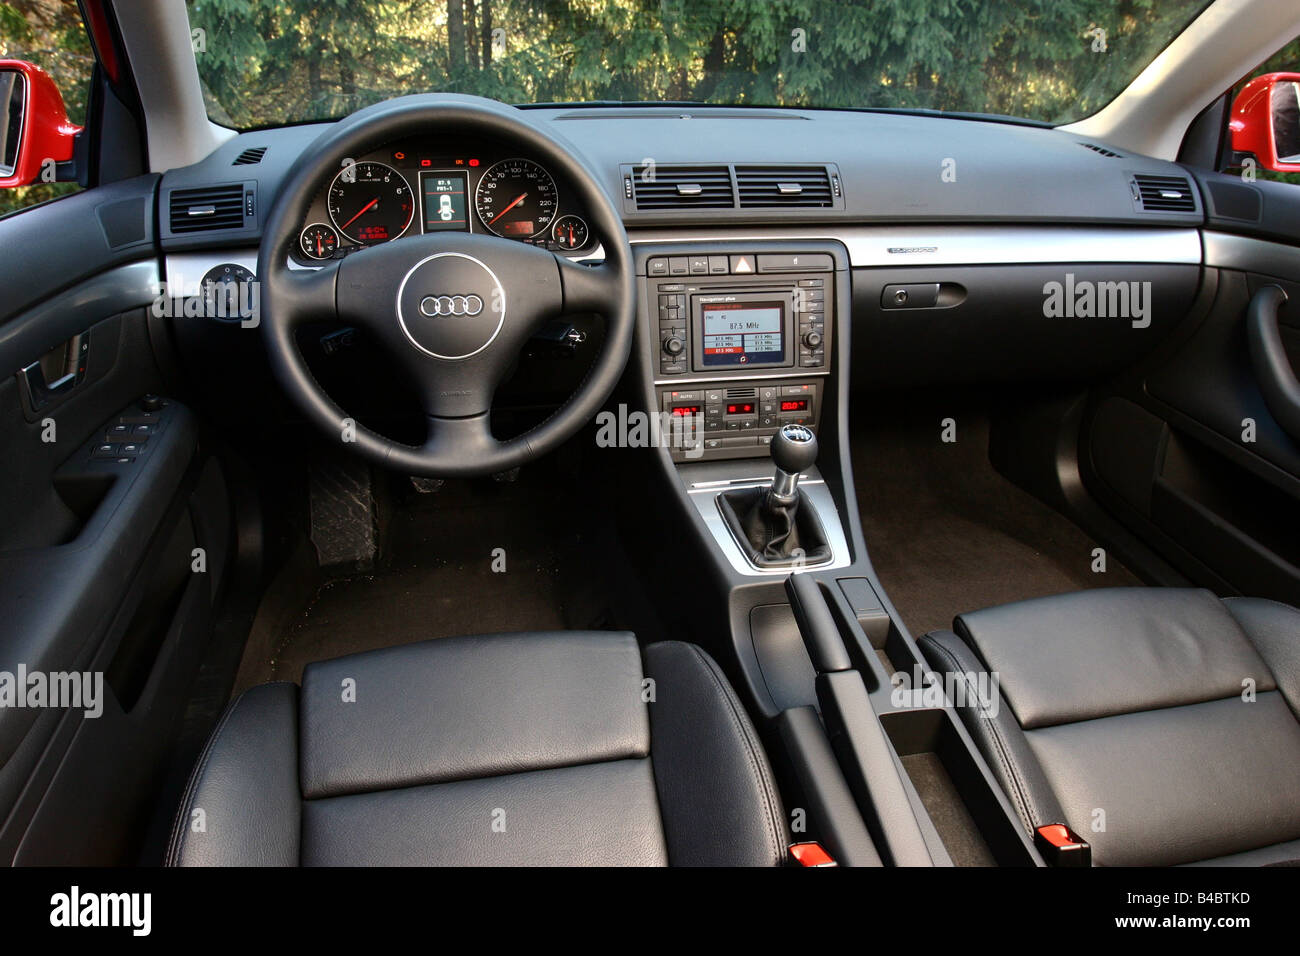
column 1160, row 724
column 553, row 748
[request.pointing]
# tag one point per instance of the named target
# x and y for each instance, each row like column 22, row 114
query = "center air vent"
column 213, row 207
column 770, row 186
column 250, row 156
column 682, row 187
column 1163, row 193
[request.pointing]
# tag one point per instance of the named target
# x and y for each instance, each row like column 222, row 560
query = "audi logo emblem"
column 435, row 305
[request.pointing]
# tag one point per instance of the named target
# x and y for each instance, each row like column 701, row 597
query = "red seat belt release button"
column 811, row 854
column 1061, row 846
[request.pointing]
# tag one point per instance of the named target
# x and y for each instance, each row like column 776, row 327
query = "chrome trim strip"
column 191, row 267
column 704, row 497
column 1247, row 254
column 870, row 246
column 187, row 269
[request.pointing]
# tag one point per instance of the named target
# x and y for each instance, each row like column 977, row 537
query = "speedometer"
column 371, row 202
column 516, row 198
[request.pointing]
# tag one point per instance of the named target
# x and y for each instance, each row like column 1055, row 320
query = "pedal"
column 427, row 486
column 344, row 529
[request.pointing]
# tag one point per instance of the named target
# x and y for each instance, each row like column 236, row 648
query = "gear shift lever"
column 777, row 526
column 794, row 450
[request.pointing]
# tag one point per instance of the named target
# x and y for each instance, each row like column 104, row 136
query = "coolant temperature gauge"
column 319, row 241
column 570, row 232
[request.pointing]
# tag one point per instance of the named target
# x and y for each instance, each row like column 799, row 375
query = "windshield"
column 280, row 61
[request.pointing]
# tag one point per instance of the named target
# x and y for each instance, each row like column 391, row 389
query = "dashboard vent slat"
column 775, row 186
column 200, row 210
column 250, row 157
column 682, row 187
column 1163, row 193
column 1101, row 150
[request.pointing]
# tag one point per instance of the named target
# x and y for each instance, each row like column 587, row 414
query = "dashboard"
column 419, row 186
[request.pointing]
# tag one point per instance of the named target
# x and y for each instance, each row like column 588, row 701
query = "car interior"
column 471, row 479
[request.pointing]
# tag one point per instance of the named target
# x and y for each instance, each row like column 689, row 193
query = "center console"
column 743, row 346
column 743, row 361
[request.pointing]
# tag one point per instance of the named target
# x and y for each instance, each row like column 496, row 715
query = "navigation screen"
column 445, row 195
column 743, row 333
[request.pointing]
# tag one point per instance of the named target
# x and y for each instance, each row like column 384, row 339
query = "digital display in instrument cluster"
column 445, row 195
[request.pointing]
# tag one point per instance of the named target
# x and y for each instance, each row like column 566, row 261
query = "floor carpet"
column 947, row 533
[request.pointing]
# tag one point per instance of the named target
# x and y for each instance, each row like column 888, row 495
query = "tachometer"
column 516, row 198
column 371, row 202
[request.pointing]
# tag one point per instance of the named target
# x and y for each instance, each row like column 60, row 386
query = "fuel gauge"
column 570, row 232
column 319, row 241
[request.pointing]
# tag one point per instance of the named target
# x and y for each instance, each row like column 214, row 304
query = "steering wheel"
column 454, row 309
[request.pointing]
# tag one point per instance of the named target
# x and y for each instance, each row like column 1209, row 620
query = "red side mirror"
column 35, row 131
column 1266, row 121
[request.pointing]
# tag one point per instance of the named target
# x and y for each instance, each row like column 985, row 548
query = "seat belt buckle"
column 1061, row 846
column 810, row 854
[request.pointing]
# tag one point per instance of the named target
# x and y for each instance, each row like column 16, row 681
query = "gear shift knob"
column 794, row 450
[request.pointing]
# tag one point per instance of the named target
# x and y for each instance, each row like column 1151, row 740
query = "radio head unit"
column 770, row 318
column 742, row 330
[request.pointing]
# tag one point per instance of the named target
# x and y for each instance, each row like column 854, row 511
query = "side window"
column 51, row 35
column 1286, row 60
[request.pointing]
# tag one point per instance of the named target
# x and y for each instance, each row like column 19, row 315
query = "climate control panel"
column 735, row 419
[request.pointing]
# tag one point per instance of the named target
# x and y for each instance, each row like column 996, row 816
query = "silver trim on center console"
column 705, row 499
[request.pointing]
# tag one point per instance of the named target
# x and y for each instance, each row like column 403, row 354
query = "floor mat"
column 476, row 557
column 945, row 532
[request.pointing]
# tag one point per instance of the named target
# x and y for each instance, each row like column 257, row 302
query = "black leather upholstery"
column 1159, row 724
column 515, row 749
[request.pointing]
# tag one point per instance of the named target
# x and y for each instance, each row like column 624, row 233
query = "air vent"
column 215, row 207
column 1108, row 153
column 250, row 157
column 682, row 187
column 742, row 393
column 769, row 186
column 1163, row 193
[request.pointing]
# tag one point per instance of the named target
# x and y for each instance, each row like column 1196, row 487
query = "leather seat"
column 513, row 749
column 1161, row 725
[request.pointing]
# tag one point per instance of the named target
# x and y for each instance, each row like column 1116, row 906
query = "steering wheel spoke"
column 588, row 288
column 306, row 295
column 461, row 442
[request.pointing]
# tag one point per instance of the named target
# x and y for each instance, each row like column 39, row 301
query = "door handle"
column 55, row 374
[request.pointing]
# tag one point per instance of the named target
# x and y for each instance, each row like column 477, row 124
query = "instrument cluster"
column 415, row 189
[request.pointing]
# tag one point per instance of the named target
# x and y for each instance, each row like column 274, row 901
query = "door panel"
column 106, row 501
column 1188, row 453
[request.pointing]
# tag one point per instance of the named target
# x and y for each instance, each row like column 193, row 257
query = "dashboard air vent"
column 682, row 187
column 250, row 157
column 1163, row 193
column 1108, row 153
column 773, row 186
column 213, row 207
